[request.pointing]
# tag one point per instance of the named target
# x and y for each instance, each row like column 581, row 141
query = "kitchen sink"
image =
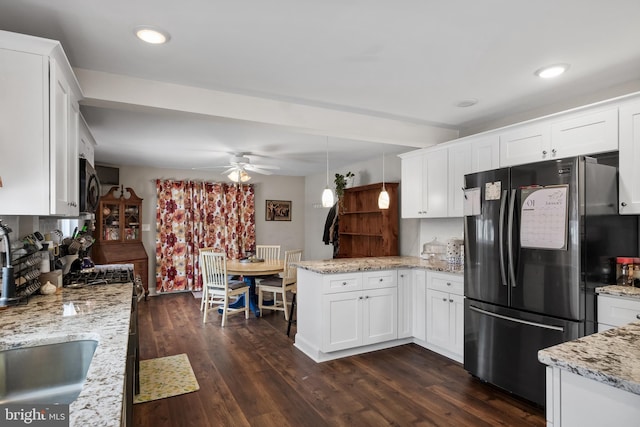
column 45, row 374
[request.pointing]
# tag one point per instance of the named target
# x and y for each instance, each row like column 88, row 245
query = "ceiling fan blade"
column 260, row 167
column 258, row 170
column 209, row 167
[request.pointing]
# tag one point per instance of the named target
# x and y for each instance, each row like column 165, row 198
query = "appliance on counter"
column 539, row 239
column 89, row 188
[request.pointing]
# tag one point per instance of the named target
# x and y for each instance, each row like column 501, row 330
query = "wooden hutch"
column 365, row 230
column 118, row 232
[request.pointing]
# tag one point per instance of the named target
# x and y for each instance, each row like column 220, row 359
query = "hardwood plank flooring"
column 250, row 374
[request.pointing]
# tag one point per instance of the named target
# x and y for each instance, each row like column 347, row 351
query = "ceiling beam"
column 108, row 90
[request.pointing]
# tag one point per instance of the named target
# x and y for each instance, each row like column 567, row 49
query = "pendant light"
column 327, row 194
column 383, row 198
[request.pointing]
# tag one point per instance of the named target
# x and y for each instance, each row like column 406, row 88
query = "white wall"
column 441, row 228
column 289, row 234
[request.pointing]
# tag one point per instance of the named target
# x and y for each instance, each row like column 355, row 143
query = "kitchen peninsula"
column 100, row 313
column 595, row 380
column 356, row 305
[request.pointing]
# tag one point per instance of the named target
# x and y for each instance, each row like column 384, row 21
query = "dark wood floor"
column 250, row 374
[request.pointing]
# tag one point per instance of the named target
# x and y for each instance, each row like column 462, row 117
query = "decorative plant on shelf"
column 341, row 183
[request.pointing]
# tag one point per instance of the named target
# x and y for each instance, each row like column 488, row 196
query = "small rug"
column 196, row 294
column 165, row 377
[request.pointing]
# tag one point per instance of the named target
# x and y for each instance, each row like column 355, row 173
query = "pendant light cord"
column 327, row 161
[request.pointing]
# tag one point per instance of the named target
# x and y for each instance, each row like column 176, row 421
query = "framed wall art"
column 278, row 210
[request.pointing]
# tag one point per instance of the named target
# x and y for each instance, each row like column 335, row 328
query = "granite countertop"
column 620, row 291
column 102, row 313
column 351, row 265
column 611, row 357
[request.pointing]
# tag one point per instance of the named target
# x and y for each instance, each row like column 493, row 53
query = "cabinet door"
column 24, row 132
column 419, row 305
column 438, row 321
column 617, row 311
column 436, row 181
column 485, row 153
column 64, row 122
column 629, row 187
column 459, row 165
column 412, row 187
column 342, row 326
column 379, row 316
column 405, row 303
column 596, row 132
column 525, row 145
column 456, row 327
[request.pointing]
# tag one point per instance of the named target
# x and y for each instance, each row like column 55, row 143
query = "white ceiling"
column 408, row 62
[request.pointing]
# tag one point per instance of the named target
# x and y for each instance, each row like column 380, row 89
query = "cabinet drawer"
column 341, row 283
column 617, row 311
column 445, row 283
column 380, row 279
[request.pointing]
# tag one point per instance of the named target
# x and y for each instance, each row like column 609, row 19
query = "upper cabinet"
column 572, row 135
column 459, row 165
column 86, row 143
column 39, row 136
column 629, row 158
column 424, row 184
column 525, row 145
column 485, row 153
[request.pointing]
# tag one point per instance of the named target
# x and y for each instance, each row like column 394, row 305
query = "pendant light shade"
column 383, row 198
column 327, row 194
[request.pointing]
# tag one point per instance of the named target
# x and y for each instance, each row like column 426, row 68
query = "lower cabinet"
column 419, row 287
column 361, row 317
column 445, row 314
column 614, row 311
column 405, row 303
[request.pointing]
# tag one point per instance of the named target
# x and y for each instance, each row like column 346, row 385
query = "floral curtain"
column 192, row 215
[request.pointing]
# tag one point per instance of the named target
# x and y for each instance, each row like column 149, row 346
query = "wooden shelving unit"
column 364, row 229
column 118, row 232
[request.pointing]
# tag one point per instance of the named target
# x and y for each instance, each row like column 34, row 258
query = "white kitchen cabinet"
column 459, row 156
column 355, row 318
column 419, row 286
column 445, row 314
column 585, row 133
column 525, row 144
column 39, row 106
column 405, row 303
column 485, row 153
column 629, row 159
column 614, row 311
column 424, row 184
column 86, row 143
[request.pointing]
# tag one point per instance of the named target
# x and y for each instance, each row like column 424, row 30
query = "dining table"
column 249, row 270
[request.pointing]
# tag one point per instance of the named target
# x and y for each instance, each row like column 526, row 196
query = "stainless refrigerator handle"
column 511, row 319
column 503, row 271
column 512, row 271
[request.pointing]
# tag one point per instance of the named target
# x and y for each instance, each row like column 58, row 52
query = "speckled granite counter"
column 611, row 357
column 102, row 313
column 620, row 291
column 350, row 265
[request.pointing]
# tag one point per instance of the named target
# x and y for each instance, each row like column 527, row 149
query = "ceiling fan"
column 239, row 166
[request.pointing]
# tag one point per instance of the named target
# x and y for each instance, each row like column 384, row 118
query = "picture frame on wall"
column 278, row 210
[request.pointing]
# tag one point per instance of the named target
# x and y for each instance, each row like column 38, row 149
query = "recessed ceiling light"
column 152, row 35
column 552, row 71
column 467, row 103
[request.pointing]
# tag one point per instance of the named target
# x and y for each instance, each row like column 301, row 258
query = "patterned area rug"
column 165, row 377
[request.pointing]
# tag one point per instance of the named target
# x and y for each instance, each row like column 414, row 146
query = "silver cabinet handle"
column 623, row 204
column 360, row 298
column 554, row 152
column 381, row 280
column 444, row 299
column 638, row 316
column 450, row 300
column 344, row 283
column 448, row 283
column 544, row 153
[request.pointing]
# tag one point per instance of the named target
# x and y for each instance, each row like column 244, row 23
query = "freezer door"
column 547, row 281
column 485, row 239
column 501, row 347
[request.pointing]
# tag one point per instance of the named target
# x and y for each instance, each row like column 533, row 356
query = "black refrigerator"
column 538, row 240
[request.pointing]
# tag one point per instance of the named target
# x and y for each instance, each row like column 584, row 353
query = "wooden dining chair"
column 217, row 288
column 268, row 252
column 282, row 285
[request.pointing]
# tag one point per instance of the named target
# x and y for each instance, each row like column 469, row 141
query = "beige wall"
column 289, row 234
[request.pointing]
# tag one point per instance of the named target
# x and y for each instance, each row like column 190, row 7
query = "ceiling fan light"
column 327, row 198
column 239, row 176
